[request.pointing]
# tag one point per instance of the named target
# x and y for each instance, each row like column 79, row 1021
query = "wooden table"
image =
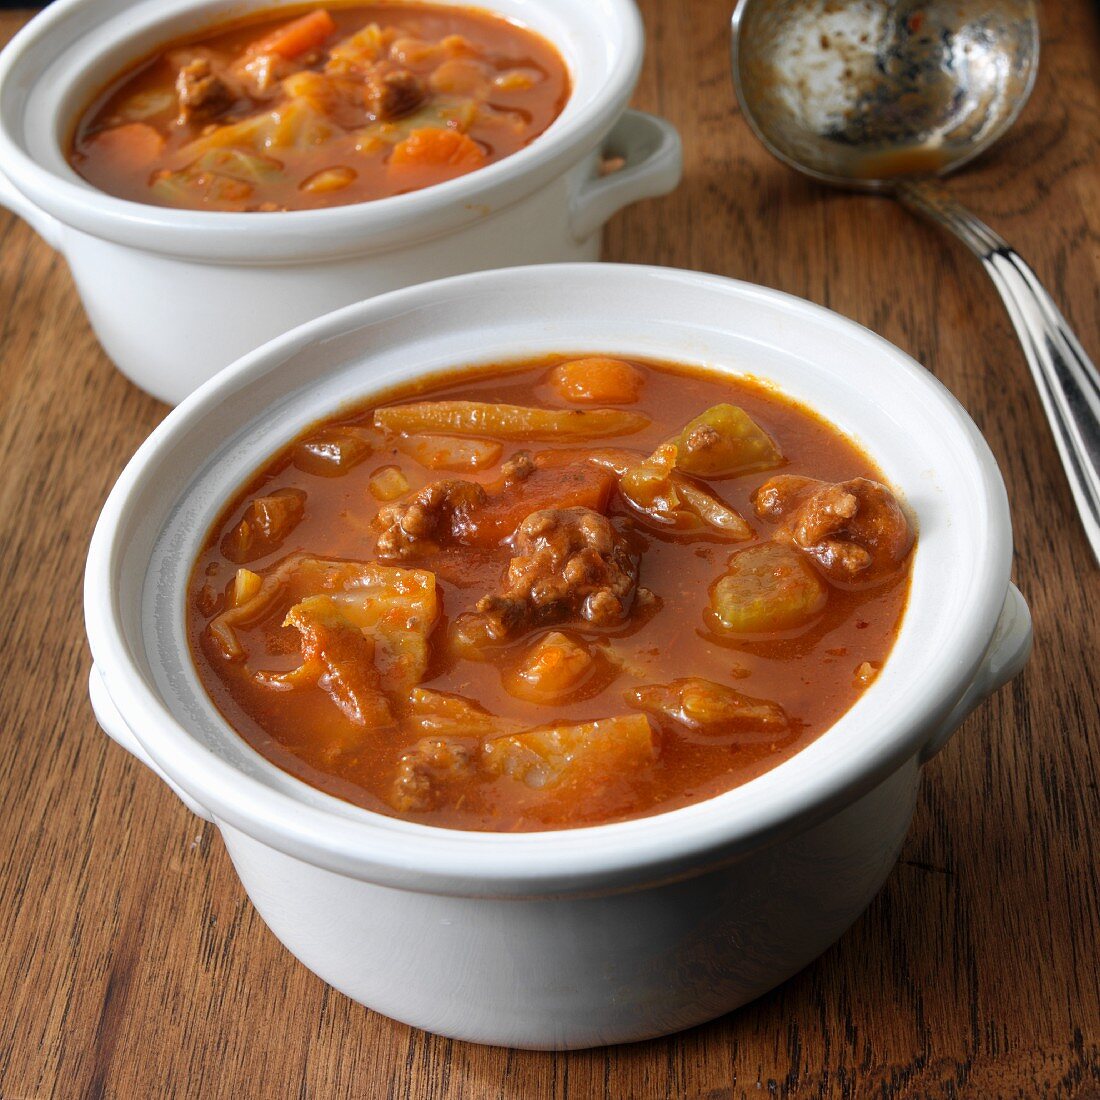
column 134, row 967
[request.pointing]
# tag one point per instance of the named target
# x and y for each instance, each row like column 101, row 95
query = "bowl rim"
column 620, row 855
column 338, row 230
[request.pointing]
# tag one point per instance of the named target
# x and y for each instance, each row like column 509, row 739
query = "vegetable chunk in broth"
column 294, row 110
column 550, row 594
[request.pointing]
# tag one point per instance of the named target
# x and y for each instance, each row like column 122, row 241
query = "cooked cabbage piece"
column 356, row 54
column 245, row 585
column 766, row 588
column 446, row 452
column 725, row 441
column 655, row 489
column 340, row 658
column 709, row 707
column 580, row 756
column 296, row 124
column 440, row 714
column 395, row 608
column 477, row 418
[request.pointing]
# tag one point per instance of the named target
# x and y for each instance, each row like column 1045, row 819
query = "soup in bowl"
column 586, row 796
column 320, row 109
column 205, row 187
column 550, row 594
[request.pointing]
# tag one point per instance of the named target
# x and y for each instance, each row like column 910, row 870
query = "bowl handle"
column 48, row 228
column 653, row 163
column 114, row 725
column 1007, row 654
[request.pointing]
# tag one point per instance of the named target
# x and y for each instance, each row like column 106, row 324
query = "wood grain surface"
column 132, row 964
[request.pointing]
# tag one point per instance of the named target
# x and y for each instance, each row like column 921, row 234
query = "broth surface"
column 305, row 108
column 813, row 670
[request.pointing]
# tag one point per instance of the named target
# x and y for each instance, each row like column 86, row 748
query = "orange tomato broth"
column 815, row 674
column 490, row 87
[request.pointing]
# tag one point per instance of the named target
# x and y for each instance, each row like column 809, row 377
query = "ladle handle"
column 1067, row 380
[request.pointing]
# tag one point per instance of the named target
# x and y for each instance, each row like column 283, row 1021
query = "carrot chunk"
column 444, row 153
column 582, row 485
column 298, row 36
column 597, row 380
column 131, row 147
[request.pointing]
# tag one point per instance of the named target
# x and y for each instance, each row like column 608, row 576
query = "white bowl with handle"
column 595, row 935
column 174, row 295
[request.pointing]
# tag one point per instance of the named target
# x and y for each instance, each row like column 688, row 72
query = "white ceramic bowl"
column 174, row 295
column 595, row 935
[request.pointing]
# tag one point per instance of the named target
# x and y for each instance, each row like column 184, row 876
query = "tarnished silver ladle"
column 885, row 95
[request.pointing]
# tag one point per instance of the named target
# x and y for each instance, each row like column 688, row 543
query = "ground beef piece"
column 436, row 513
column 855, row 530
column 394, row 94
column 518, row 468
column 426, row 768
column 700, row 441
column 202, row 94
column 568, row 564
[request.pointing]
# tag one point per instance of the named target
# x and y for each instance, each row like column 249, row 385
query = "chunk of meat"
column 465, row 512
column 576, row 485
column 394, row 94
column 568, row 564
column 580, row 758
column 854, row 530
column 518, row 468
column 435, row 514
column 265, row 525
column 766, row 588
column 424, row 772
column 714, row 710
column 203, row 95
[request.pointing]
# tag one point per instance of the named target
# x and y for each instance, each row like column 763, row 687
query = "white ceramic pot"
column 595, row 935
column 174, row 295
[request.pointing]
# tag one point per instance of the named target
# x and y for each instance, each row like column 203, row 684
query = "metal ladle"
column 884, row 95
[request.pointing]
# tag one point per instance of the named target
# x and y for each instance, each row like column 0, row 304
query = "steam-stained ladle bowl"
column 887, row 95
